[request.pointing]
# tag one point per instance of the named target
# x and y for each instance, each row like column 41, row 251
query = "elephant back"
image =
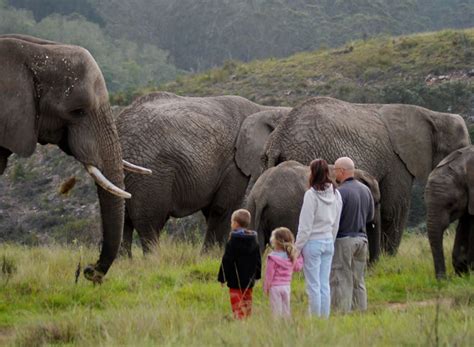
column 328, row 128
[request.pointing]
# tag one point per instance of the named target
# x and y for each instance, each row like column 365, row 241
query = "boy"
column 241, row 264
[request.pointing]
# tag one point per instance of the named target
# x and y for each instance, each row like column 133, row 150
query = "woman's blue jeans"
column 317, row 256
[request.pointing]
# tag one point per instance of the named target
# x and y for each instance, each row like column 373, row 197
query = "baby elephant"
column 277, row 197
column 449, row 195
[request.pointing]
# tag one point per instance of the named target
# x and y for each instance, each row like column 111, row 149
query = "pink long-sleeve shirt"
column 280, row 270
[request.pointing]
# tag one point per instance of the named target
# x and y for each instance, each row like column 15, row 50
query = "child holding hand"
column 281, row 263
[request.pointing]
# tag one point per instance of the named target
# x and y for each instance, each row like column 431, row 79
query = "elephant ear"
column 18, row 119
column 469, row 167
column 470, row 184
column 253, row 134
column 411, row 134
column 370, row 182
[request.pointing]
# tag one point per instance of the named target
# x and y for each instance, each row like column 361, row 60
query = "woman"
column 318, row 224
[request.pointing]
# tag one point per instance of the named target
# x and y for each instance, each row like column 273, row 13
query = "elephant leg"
column 374, row 242
column 437, row 221
column 395, row 189
column 148, row 230
column 470, row 255
column 218, row 227
column 461, row 245
column 126, row 248
column 227, row 199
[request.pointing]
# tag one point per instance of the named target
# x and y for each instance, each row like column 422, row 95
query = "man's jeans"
column 317, row 256
column 347, row 274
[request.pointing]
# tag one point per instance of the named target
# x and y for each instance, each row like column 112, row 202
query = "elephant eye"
column 80, row 112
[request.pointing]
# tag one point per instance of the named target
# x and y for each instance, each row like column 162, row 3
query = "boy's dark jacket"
column 241, row 263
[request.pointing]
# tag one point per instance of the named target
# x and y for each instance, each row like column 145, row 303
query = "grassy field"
column 172, row 298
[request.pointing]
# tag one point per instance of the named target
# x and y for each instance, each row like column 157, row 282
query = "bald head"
column 345, row 163
column 344, row 168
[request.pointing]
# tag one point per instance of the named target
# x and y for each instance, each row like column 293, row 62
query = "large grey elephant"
column 190, row 144
column 394, row 143
column 449, row 196
column 55, row 93
column 276, row 199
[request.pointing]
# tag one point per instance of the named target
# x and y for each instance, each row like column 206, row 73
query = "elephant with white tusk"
column 55, row 93
column 191, row 145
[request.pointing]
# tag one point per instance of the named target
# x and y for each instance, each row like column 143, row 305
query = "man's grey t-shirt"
column 357, row 208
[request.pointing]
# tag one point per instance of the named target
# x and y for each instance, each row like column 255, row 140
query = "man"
column 347, row 282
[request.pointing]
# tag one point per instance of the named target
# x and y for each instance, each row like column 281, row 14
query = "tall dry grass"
column 171, row 298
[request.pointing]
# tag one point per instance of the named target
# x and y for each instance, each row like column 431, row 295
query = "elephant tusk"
column 100, row 179
column 135, row 168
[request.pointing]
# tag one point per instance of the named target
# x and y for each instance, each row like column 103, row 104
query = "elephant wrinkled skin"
column 277, row 197
column 394, row 143
column 55, row 93
column 190, row 144
column 449, row 196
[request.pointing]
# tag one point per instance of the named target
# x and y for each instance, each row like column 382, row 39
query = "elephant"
column 277, row 197
column 395, row 143
column 51, row 93
column 190, row 143
column 449, row 196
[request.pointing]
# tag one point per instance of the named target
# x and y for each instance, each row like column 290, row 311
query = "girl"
column 280, row 266
column 318, row 224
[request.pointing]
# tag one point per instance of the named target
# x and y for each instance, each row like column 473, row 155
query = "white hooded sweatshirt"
column 319, row 217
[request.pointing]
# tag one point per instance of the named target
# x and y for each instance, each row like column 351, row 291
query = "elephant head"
column 449, row 196
column 52, row 93
column 250, row 144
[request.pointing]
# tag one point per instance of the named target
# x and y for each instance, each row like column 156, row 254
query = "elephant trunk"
column 435, row 236
column 111, row 206
column 374, row 234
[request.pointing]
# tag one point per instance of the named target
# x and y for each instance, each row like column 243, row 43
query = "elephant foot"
column 94, row 275
column 125, row 252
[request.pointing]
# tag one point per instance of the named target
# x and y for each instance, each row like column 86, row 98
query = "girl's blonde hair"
column 283, row 237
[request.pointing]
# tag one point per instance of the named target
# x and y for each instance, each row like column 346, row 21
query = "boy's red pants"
column 241, row 302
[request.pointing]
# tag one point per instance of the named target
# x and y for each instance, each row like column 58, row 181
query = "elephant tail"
column 255, row 208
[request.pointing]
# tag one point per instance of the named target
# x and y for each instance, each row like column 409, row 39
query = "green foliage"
column 203, row 34
column 21, row 173
column 43, row 8
column 124, row 63
column 471, row 132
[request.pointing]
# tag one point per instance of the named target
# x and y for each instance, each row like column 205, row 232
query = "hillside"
column 203, row 34
column 434, row 70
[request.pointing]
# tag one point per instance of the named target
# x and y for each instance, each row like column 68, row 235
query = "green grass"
column 172, row 298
